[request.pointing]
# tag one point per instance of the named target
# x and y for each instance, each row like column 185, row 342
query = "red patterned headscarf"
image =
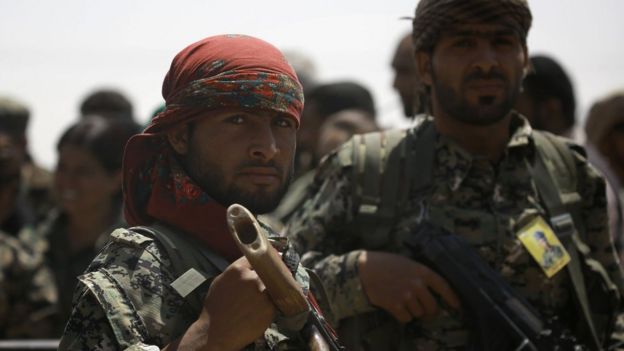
column 215, row 74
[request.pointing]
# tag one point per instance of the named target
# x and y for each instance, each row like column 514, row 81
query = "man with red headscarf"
column 227, row 135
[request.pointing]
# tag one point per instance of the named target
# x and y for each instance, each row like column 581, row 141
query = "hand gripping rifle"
column 283, row 289
column 499, row 317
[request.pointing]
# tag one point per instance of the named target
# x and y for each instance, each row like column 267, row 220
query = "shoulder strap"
column 192, row 263
column 386, row 165
column 559, row 195
column 559, row 162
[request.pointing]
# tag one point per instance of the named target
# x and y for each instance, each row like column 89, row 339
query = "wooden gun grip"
column 283, row 289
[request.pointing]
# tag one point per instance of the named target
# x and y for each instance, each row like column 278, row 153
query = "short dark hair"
column 548, row 80
column 107, row 103
column 14, row 117
column 334, row 97
column 104, row 138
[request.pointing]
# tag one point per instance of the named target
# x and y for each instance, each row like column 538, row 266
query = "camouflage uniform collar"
column 520, row 131
column 458, row 161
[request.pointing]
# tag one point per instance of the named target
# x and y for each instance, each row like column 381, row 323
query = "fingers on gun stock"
column 266, row 261
column 403, row 287
column 283, row 289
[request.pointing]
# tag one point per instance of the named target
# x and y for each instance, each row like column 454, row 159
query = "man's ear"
column 423, row 65
column 178, row 138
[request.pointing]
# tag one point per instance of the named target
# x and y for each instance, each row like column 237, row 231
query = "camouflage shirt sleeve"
column 28, row 294
column 318, row 232
column 124, row 299
column 592, row 189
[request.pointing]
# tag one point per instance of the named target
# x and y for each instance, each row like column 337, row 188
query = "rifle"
column 501, row 318
column 283, row 289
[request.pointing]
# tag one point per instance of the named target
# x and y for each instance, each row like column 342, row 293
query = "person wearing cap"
column 108, row 103
column 33, row 196
column 27, row 290
column 226, row 135
column 475, row 169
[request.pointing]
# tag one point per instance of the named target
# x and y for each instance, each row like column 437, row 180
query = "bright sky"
column 52, row 53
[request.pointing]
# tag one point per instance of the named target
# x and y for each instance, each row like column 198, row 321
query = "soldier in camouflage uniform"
column 34, row 198
column 227, row 135
column 27, row 289
column 472, row 56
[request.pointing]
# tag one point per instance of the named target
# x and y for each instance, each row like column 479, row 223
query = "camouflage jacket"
column 125, row 301
column 483, row 202
column 28, row 294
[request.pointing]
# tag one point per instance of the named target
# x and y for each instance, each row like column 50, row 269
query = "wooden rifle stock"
column 281, row 286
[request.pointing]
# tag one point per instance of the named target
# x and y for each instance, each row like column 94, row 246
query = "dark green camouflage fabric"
column 28, row 294
column 125, row 302
column 483, row 202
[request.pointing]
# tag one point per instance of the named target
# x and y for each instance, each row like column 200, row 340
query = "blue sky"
column 52, row 53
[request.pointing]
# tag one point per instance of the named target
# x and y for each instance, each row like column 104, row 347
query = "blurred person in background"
column 30, row 194
column 87, row 185
column 547, row 99
column 337, row 129
column 28, row 295
column 14, row 213
column 406, row 82
column 304, row 68
column 107, row 103
column 27, row 291
column 322, row 101
column 604, row 128
column 322, row 104
column 341, row 126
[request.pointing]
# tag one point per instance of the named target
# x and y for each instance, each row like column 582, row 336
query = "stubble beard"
column 212, row 181
column 485, row 113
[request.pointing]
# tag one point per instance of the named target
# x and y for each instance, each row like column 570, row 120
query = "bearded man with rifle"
column 477, row 170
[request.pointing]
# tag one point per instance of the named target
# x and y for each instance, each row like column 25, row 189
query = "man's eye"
column 284, row 122
column 236, row 119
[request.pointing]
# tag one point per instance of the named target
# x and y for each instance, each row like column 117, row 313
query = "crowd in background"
column 53, row 222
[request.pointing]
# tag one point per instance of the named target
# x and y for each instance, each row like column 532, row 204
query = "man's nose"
column 263, row 145
column 486, row 58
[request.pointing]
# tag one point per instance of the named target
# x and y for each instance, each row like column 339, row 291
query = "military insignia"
column 544, row 246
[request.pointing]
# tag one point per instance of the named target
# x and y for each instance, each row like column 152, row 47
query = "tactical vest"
column 193, row 264
column 388, row 166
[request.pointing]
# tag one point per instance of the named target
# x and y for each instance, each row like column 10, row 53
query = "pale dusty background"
column 52, row 53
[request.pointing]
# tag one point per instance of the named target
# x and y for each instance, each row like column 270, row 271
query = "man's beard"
column 486, row 112
column 210, row 178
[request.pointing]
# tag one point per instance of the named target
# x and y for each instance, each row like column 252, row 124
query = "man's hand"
column 402, row 286
column 237, row 310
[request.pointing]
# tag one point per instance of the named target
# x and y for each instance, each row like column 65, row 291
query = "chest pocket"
column 475, row 226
